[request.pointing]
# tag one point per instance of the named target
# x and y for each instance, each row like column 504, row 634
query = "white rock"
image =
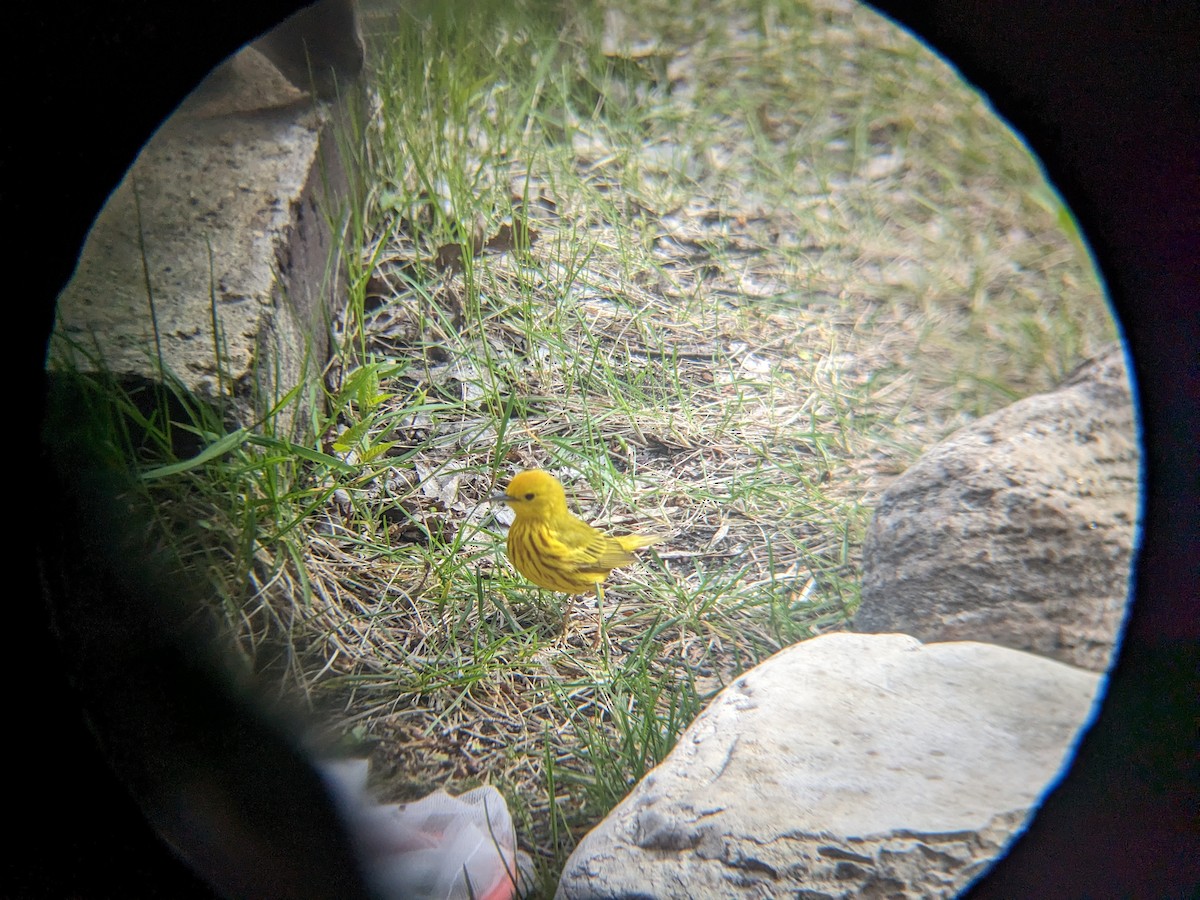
column 845, row 765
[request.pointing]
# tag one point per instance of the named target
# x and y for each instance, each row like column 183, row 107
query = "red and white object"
column 436, row 848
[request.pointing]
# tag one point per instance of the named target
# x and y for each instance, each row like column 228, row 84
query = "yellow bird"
column 554, row 549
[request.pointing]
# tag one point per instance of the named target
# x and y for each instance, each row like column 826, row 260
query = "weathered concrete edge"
column 240, row 199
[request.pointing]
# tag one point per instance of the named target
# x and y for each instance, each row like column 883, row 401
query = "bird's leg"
column 567, row 610
column 599, row 612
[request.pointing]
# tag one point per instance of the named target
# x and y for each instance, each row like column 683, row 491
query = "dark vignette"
column 1106, row 94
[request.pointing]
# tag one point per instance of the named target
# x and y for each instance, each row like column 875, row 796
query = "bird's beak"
column 501, row 498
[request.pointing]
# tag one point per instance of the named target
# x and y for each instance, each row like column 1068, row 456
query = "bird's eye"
column 529, row 496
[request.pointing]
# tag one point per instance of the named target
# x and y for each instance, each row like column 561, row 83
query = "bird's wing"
column 590, row 550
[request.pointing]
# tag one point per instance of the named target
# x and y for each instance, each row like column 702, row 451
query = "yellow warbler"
column 554, row 549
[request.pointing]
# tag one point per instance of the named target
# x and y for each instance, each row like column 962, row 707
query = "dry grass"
column 775, row 252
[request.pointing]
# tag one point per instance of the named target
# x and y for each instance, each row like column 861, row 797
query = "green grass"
column 776, row 253
column 757, row 260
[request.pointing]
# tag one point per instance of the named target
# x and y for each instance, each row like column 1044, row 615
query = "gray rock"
column 846, row 766
column 1018, row 529
column 320, row 47
column 229, row 207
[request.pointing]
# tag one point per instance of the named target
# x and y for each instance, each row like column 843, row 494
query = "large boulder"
column 216, row 257
column 845, row 766
column 1018, row 529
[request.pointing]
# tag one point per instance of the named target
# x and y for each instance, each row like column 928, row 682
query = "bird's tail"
column 631, row 542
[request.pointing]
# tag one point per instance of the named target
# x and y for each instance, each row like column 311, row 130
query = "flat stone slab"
column 848, row 765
